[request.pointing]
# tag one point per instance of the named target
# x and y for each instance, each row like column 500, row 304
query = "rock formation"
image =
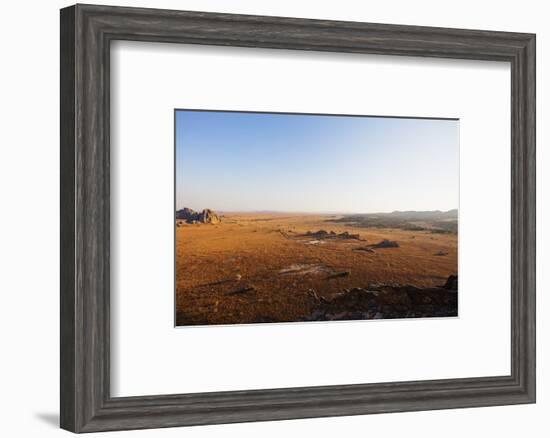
column 384, row 301
column 190, row 216
column 323, row 234
column 386, row 244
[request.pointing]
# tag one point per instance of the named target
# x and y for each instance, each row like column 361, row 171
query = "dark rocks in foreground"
column 338, row 275
column 190, row 216
column 451, row 283
column 387, row 301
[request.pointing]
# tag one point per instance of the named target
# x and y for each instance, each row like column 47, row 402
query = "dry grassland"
column 264, row 267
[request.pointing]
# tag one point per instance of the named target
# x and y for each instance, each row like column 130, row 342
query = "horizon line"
column 320, row 212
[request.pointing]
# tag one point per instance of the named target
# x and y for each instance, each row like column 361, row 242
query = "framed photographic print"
column 288, row 240
column 270, row 218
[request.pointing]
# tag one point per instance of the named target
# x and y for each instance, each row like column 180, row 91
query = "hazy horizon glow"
column 246, row 162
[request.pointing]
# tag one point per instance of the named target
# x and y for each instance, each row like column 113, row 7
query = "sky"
column 235, row 161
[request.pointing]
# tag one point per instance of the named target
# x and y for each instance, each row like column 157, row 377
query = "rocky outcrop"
column 386, row 244
column 452, row 282
column 323, row 234
column 208, row 216
column 382, row 244
column 386, row 301
column 186, row 214
column 190, row 216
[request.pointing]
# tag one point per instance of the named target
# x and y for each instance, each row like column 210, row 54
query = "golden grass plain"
column 253, row 268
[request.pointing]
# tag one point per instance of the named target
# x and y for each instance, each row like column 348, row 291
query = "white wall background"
column 29, row 224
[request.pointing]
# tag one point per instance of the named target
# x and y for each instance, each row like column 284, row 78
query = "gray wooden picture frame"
column 86, row 33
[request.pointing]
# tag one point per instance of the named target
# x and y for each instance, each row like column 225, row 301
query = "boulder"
column 451, row 283
column 386, row 244
column 207, row 216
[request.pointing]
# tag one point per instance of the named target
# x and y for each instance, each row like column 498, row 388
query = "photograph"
column 284, row 217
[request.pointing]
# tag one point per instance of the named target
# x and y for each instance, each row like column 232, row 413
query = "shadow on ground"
column 49, row 418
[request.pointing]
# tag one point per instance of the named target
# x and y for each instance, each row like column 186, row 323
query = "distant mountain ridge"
column 419, row 215
column 435, row 221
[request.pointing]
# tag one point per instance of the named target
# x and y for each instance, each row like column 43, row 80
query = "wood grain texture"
column 67, row 215
column 86, row 32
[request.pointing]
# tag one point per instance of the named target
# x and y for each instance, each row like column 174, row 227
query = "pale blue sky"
column 231, row 161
